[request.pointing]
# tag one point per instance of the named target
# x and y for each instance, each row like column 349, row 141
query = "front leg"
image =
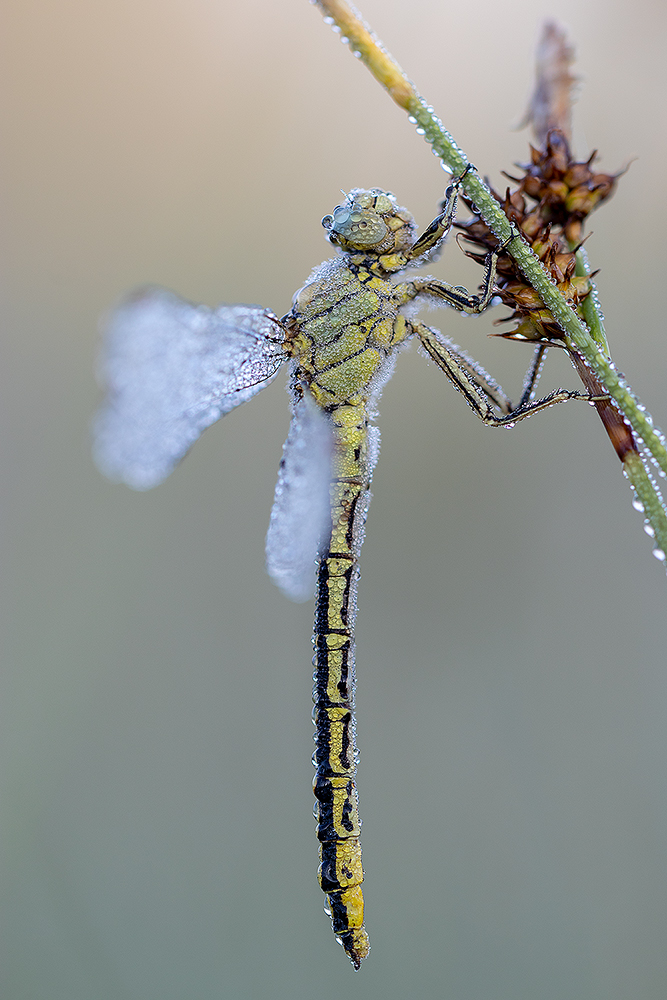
column 439, row 228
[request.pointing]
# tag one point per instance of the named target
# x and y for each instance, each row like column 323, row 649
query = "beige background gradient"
column 157, row 840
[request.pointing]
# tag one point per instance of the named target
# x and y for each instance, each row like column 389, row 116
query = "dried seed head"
column 550, row 202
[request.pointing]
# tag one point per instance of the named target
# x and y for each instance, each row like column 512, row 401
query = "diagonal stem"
column 577, row 336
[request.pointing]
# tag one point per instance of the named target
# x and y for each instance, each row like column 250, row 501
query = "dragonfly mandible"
column 172, row 369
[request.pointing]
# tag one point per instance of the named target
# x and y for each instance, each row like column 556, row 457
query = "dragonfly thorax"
column 370, row 222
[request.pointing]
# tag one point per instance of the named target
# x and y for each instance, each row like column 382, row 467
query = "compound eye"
column 341, row 216
column 359, row 225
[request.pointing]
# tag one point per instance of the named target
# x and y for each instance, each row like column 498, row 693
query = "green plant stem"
column 650, row 499
column 577, row 336
column 633, row 467
column 591, row 304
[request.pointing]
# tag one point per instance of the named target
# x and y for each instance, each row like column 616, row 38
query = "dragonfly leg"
column 438, row 229
column 481, row 392
column 456, row 296
column 533, row 375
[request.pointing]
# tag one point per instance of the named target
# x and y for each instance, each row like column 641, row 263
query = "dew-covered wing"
column 301, row 516
column 171, row 369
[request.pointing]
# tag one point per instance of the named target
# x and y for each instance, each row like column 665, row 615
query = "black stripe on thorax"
column 378, row 316
column 348, row 357
column 316, row 312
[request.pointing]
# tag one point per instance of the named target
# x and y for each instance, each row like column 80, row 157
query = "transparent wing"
column 171, row 370
column 301, row 516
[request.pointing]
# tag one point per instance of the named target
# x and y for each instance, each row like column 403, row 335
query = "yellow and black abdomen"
column 335, row 758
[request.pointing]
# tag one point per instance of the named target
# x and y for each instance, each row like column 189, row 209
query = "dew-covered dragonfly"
column 172, row 369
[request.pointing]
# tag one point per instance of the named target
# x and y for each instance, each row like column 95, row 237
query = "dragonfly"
column 172, row 369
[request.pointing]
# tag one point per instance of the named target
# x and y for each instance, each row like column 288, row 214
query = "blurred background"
column 157, row 839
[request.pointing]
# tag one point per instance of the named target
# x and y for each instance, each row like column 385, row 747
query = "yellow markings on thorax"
column 324, row 308
column 341, row 380
column 346, row 323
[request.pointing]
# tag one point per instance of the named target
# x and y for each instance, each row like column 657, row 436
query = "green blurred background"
column 157, row 842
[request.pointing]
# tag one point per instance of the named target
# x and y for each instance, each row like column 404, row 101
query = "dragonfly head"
column 371, row 222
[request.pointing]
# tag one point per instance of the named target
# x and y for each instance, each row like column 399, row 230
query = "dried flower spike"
column 549, row 204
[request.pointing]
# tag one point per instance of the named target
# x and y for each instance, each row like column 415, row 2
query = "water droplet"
column 328, row 20
column 420, row 131
column 659, row 554
column 650, row 531
column 412, row 119
column 357, row 54
column 638, row 505
column 344, row 39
